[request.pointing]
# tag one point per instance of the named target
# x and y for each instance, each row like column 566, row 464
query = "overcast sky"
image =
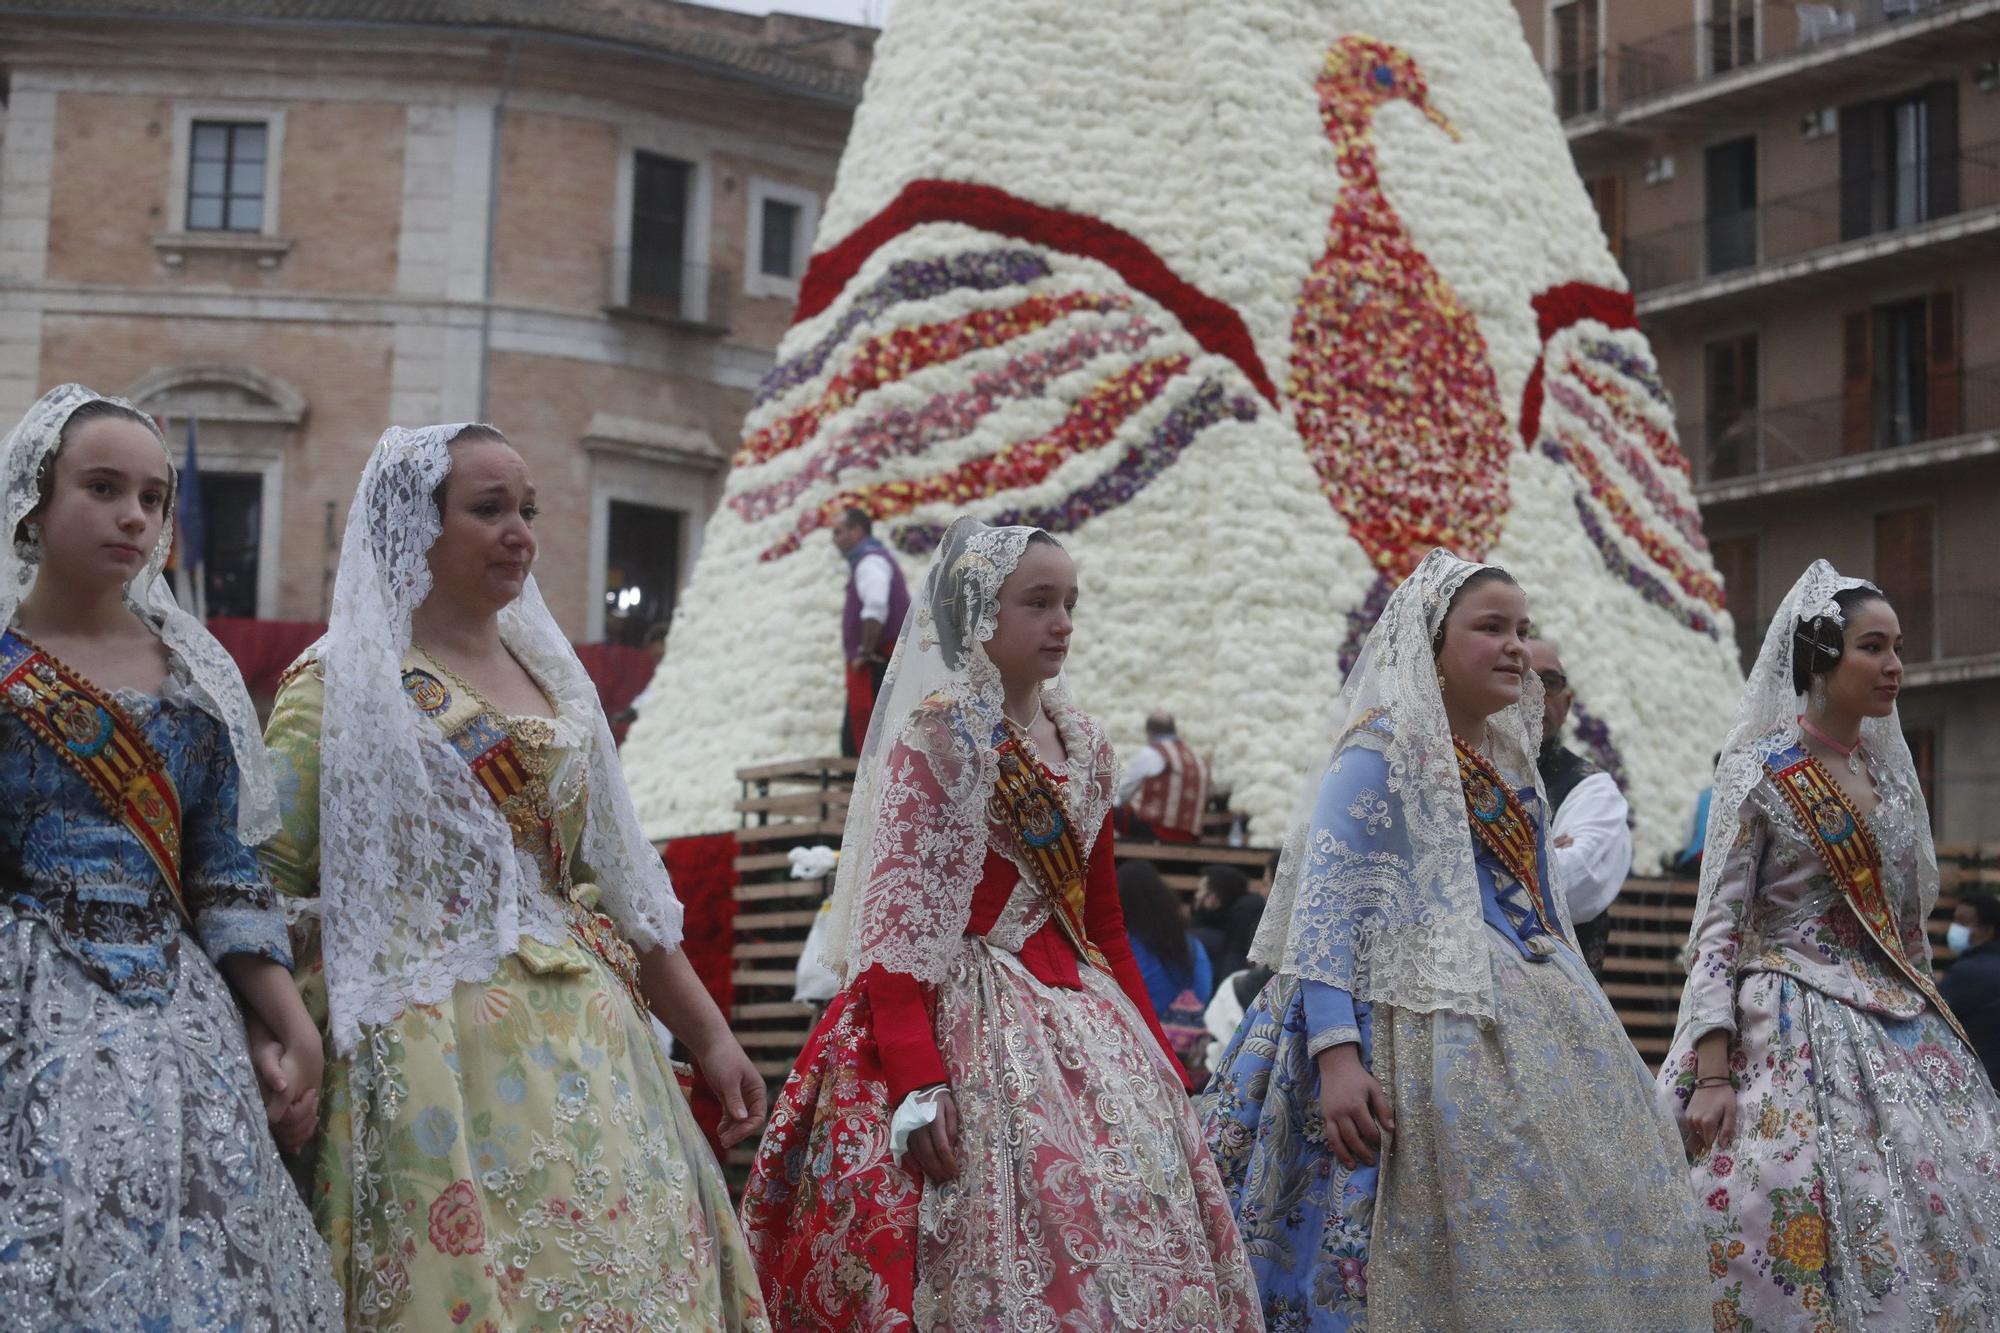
column 847, row 11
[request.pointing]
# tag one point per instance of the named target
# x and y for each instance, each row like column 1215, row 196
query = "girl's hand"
column 935, row 1146
column 1353, row 1107
column 1710, row 1119
column 288, row 1075
column 737, row 1085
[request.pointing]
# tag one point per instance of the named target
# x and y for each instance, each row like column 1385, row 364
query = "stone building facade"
column 299, row 221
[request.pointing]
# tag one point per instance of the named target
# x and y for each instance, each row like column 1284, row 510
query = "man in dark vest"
column 1590, row 832
column 1164, row 791
column 877, row 599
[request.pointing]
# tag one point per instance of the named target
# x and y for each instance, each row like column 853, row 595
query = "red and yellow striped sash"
column 523, row 799
column 107, row 750
column 1025, row 800
column 1851, row 853
column 1500, row 822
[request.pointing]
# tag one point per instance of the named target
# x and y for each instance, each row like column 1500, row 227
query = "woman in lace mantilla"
column 483, row 932
column 987, row 1129
column 139, row 1186
column 1431, row 1118
column 1846, row 1140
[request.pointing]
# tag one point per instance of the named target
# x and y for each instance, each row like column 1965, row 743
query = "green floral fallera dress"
column 520, row 1157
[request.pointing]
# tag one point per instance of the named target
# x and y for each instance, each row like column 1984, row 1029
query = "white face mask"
column 1958, row 936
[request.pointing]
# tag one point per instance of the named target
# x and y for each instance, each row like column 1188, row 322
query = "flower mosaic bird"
column 1077, row 327
column 1390, row 383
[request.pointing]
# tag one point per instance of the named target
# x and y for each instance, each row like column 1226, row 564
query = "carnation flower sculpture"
column 1251, row 304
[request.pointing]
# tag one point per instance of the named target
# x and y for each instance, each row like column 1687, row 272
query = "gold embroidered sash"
column 1025, row 801
column 1843, row 841
column 522, row 796
column 1500, row 822
column 107, row 750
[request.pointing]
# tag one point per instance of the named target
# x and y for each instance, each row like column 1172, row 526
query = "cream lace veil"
column 421, row 885
column 917, row 829
column 1767, row 723
column 214, row 681
column 1397, row 919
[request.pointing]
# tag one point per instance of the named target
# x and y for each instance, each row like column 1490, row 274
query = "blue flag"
column 192, row 537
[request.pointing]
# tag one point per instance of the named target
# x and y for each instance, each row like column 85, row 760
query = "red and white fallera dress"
column 1086, row 1197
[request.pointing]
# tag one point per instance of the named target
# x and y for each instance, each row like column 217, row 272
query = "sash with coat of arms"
column 519, row 790
column 1850, row 851
column 92, row 734
column 1025, row 800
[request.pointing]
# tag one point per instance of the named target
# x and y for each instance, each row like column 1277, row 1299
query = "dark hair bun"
column 1817, row 641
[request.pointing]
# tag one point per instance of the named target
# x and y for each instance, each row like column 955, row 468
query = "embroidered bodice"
column 1778, row 908
column 546, row 815
column 67, row 860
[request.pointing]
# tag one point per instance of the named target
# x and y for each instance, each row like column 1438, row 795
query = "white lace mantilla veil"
column 917, row 828
column 1767, row 722
column 1398, row 920
column 420, row 883
column 211, row 674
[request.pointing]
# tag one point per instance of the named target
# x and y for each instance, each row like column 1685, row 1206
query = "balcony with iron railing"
column 1624, row 79
column 1855, row 208
column 1818, row 431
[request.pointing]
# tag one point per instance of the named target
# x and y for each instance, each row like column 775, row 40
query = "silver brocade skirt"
column 1087, row 1199
column 139, row 1187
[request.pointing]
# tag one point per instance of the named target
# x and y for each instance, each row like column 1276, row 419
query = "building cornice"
column 525, row 330
column 695, row 44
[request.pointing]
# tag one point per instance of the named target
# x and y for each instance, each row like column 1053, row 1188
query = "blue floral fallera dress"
column 139, row 1187
column 1531, row 1183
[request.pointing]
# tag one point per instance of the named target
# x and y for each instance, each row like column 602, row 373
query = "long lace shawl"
column 917, row 830
column 1396, row 919
column 421, row 885
column 1767, row 723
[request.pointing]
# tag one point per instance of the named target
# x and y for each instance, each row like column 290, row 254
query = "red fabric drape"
column 703, row 869
column 264, row 648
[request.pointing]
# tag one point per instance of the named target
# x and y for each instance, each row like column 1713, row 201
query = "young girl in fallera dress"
column 1846, row 1141
column 1431, row 1118
column 139, row 1186
column 1053, row 1175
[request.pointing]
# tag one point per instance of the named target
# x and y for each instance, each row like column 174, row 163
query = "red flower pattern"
column 456, row 1226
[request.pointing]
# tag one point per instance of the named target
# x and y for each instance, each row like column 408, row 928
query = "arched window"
column 244, row 424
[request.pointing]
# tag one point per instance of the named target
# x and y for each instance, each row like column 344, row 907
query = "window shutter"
column 1607, row 195
column 1903, row 570
column 1944, row 397
column 1860, row 168
column 1941, row 132
column 1857, row 395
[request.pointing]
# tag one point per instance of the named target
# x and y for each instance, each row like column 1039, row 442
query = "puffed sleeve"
column 234, row 909
column 1711, row 983
column 291, row 858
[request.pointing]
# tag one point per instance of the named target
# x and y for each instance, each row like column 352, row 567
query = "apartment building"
column 297, row 221
column 1806, row 200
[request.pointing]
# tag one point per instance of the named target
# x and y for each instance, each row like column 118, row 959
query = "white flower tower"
column 1252, row 304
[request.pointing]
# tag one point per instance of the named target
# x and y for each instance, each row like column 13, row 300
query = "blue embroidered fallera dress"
column 1530, row 1184
column 139, row 1186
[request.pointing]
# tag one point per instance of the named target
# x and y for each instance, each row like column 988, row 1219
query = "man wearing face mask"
column 1971, row 986
column 1590, row 831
